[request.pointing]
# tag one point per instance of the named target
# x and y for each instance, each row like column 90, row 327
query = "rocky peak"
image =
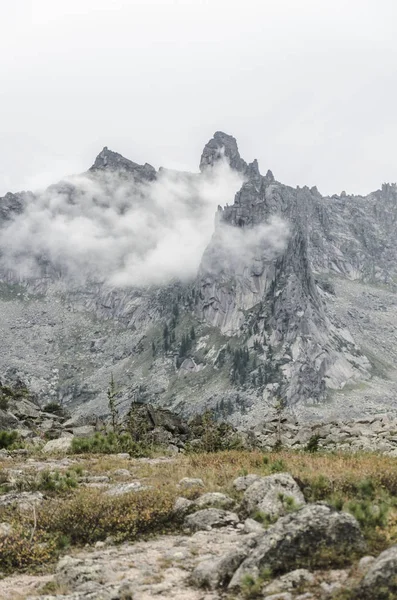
column 222, row 145
column 10, row 205
column 113, row 161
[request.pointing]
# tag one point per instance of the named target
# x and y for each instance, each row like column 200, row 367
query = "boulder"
column 190, row 482
column 63, row 444
column 210, row 518
column 270, row 495
column 215, row 499
column 252, row 526
column 297, row 540
column 5, row 530
column 380, row 581
column 242, row 483
column 289, row 582
column 24, row 500
column 126, row 488
column 83, row 431
column 74, row 572
column 216, row 572
column 182, row 505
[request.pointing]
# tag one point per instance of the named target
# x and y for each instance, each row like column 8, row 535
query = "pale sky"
column 308, row 87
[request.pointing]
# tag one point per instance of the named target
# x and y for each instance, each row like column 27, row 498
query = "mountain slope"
column 294, row 299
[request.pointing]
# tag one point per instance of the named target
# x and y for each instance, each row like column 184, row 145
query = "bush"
column 312, row 444
column 53, row 407
column 21, row 549
column 9, row 439
column 56, row 481
column 109, row 443
column 4, row 403
column 85, row 517
column 213, row 436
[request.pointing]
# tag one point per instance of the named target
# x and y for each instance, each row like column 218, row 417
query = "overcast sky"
column 309, row 87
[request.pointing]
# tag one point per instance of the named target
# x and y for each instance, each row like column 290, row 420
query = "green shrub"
column 22, row 549
column 369, row 515
column 56, row 481
column 312, row 444
column 213, row 436
column 53, row 407
column 10, row 440
column 109, row 443
column 277, row 466
column 4, row 403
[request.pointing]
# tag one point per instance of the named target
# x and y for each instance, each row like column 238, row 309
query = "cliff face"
column 294, row 299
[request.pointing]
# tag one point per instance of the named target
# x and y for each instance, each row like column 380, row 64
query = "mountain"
column 294, row 298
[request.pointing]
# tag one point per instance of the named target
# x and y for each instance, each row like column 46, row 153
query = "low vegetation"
column 110, row 443
column 72, row 515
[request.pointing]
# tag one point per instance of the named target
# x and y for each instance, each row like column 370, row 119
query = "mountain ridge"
column 275, row 282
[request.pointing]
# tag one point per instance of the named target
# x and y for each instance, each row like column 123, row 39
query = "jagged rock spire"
column 113, row 161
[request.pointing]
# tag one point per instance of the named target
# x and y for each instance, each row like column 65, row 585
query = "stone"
column 126, row 488
column 289, row 582
column 215, row 499
column 83, row 431
column 121, row 473
column 270, row 495
column 216, row 572
column 190, row 482
column 73, row 573
column 380, row 581
column 289, row 543
column 183, row 505
column 209, row 518
column 24, row 500
column 364, row 563
column 242, row 483
column 5, row 530
column 63, row 444
column 252, row 526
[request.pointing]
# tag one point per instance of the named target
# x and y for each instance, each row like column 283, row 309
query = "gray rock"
column 209, row 518
column 63, row 444
column 121, row 473
column 73, row 573
column 270, row 495
column 126, row 488
column 215, row 499
column 242, row 483
column 289, row 582
column 5, row 530
column 182, row 505
column 380, row 581
column 190, row 482
column 252, row 526
column 24, row 500
column 216, row 572
column 83, row 431
column 365, row 563
column 289, row 544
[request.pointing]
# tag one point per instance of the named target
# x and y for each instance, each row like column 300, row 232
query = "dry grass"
column 87, row 515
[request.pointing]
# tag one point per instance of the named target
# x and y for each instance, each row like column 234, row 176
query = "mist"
column 106, row 227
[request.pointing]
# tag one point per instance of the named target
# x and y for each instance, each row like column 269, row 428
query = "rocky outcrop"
column 209, row 518
column 371, row 434
column 273, row 496
column 380, row 581
column 295, row 539
column 112, row 161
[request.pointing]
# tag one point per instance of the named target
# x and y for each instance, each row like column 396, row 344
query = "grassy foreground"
column 72, row 515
